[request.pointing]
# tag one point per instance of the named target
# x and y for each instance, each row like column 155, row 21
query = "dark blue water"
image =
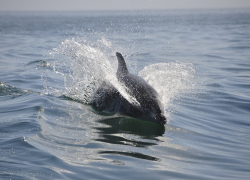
column 198, row 61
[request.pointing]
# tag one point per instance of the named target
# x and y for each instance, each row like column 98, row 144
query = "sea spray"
column 170, row 80
column 91, row 64
column 90, row 67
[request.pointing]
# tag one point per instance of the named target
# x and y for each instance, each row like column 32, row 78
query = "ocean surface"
column 52, row 62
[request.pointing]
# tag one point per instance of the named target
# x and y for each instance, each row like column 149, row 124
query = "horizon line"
column 130, row 10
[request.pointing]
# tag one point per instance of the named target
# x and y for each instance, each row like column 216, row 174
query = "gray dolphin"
column 108, row 100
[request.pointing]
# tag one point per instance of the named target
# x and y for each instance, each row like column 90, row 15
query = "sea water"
column 51, row 63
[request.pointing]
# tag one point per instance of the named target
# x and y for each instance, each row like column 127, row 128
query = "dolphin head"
column 157, row 117
column 161, row 119
column 155, row 112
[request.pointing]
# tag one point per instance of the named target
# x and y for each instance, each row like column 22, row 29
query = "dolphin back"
column 144, row 93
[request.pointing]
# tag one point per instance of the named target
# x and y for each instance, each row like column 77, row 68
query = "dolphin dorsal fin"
column 122, row 67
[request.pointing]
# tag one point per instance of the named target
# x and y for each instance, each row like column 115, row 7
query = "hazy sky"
column 79, row 5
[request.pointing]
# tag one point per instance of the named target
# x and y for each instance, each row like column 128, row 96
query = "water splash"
column 90, row 67
column 170, row 80
column 91, row 64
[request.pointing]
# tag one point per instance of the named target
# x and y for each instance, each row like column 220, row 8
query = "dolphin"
column 108, row 100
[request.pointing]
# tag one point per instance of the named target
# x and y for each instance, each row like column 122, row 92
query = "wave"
column 6, row 90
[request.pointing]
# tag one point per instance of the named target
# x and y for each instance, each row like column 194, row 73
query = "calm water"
column 198, row 61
